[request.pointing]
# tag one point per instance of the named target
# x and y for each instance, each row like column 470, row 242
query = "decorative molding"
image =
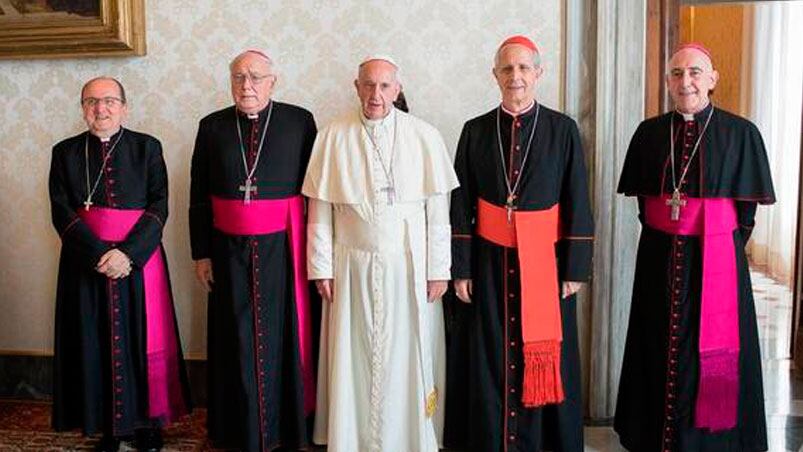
column 119, row 30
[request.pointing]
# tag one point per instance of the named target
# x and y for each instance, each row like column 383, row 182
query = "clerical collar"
column 527, row 110
column 112, row 137
column 699, row 116
column 383, row 122
column 251, row 116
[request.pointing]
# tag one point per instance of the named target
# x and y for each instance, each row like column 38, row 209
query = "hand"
column 464, row 289
column 114, row 264
column 569, row 288
column 326, row 289
column 436, row 289
column 203, row 273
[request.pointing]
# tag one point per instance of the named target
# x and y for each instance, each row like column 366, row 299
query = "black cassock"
column 252, row 405
column 100, row 365
column 483, row 408
column 660, row 373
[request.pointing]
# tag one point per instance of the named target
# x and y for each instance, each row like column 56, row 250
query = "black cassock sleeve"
column 200, row 203
column 310, row 132
column 746, row 216
column 575, row 246
column 75, row 235
column 463, row 210
column 146, row 234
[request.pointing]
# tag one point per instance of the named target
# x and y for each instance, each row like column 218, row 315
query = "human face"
column 377, row 88
column 516, row 75
column 252, row 83
column 103, row 107
column 690, row 79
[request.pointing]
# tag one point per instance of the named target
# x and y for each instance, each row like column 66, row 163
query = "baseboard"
column 29, row 376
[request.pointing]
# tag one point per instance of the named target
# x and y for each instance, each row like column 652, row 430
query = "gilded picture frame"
column 71, row 28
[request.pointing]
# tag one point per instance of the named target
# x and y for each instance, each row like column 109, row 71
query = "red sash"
column 534, row 233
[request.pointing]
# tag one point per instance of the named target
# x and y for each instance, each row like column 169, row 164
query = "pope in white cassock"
column 379, row 252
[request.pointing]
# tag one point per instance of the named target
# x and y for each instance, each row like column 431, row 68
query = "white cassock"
column 382, row 361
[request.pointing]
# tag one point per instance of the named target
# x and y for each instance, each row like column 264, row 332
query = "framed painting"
column 71, row 28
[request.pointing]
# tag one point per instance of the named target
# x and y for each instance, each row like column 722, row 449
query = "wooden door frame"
column 796, row 344
column 663, row 33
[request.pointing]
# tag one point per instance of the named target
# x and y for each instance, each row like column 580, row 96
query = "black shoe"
column 107, row 444
column 148, row 440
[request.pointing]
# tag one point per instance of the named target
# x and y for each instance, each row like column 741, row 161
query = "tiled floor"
column 783, row 394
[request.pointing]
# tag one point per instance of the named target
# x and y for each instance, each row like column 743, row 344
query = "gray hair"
column 536, row 57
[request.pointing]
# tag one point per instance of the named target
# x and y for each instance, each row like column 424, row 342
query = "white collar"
column 387, row 121
column 529, row 107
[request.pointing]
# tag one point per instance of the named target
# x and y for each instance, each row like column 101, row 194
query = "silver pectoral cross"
column 675, row 202
column 87, row 203
column 247, row 189
column 390, row 192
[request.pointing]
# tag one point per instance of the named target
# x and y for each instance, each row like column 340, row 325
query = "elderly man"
column 378, row 233
column 248, row 243
column 521, row 244
column 118, row 367
column 691, row 377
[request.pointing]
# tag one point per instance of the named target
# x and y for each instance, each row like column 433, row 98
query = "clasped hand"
column 114, row 264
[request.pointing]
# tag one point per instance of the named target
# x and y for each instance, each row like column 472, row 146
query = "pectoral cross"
column 87, row 204
column 676, row 203
column 391, row 193
column 509, row 206
column 247, row 189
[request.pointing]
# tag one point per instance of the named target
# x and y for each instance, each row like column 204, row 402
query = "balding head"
column 104, row 106
column 691, row 78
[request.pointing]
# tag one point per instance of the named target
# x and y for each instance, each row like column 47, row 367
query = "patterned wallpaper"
column 445, row 50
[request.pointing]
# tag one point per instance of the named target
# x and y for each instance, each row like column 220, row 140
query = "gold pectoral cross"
column 511, row 198
column 247, row 189
column 675, row 202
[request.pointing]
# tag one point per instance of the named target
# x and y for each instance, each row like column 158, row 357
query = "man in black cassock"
column 515, row 391
column 118, row 366
column 691, row 377
column 246, row 229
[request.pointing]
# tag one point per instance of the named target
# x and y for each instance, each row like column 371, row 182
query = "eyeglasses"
column 110, row 102
column 255, row 79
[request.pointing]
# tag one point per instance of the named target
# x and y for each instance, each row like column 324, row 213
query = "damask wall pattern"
column 445, row 50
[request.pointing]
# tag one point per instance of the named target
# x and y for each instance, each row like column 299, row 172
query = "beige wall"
column 445, row 49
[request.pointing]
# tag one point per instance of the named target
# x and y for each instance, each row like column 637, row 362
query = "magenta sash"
column 266, row 216
column 165, row 395
column 714, row 220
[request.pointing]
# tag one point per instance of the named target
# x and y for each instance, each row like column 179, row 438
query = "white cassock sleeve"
column 439, row 239
column 319, row 240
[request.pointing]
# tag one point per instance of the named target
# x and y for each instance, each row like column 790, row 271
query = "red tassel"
column 542, row 383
